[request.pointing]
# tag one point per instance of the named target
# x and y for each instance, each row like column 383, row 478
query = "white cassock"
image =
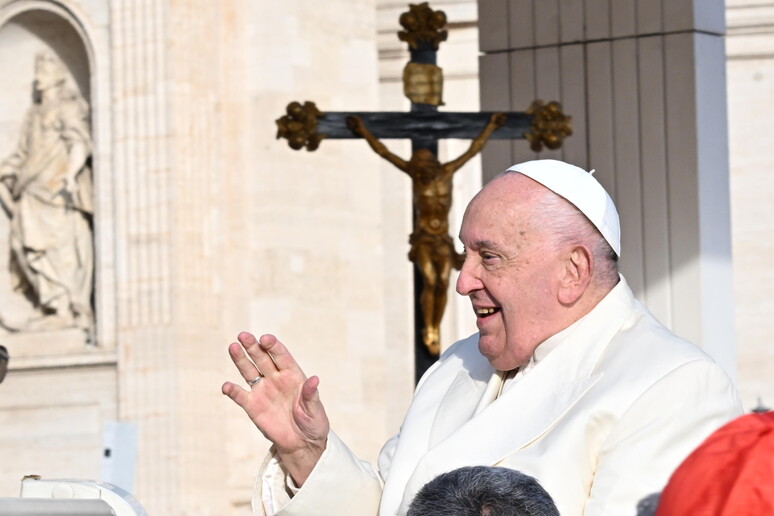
column 601, row 416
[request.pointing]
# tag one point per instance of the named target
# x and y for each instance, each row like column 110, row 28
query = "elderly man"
column 569, row 379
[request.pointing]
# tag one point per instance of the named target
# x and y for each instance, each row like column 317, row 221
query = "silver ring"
column 255, row 380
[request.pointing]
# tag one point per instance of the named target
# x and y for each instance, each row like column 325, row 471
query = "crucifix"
column 431, row 247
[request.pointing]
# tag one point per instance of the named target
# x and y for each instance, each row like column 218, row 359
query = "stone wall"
column 750, row 49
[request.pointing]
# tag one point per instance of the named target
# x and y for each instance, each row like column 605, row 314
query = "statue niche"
column 46, row 193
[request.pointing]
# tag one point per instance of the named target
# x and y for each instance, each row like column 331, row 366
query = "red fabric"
column 730, row 474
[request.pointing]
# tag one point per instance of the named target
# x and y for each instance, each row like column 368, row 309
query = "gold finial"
column 549, row 125
column 422, row 24
column 299, row 126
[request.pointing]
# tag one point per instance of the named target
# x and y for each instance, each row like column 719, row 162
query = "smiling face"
column 511, row 272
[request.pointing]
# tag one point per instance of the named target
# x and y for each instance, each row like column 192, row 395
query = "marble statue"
column 46, row 192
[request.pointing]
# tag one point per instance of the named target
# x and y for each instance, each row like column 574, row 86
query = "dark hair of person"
column 483, row 491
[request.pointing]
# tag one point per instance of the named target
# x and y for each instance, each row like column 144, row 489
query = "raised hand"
column 498, row 119
column 356, row 125
column 282, row 402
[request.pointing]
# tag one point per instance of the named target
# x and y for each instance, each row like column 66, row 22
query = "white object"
column 582, row 190
column 72, row 496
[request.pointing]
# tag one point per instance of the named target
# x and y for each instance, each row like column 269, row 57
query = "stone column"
column 167, row 155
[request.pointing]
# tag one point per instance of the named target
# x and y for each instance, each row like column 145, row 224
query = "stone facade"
column 750, row 49
column 60, row 389
column 206, row 225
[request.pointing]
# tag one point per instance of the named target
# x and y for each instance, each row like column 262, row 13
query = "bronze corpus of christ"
column 431, row 247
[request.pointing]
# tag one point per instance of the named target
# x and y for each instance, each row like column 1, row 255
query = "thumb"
column 309, row 392
column 310, row 398
column 310, row 414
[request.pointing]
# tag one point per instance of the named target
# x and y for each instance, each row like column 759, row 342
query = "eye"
column 489, row 258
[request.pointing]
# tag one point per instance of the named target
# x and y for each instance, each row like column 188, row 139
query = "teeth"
column 485, row 311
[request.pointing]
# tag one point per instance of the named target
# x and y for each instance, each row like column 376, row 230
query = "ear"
column 575, row 274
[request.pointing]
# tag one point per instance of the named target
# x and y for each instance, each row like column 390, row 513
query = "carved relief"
column 46, row 193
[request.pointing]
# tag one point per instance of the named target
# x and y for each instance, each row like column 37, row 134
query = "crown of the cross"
column 423, row 25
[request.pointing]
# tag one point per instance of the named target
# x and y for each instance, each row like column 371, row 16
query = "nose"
column 468, row 280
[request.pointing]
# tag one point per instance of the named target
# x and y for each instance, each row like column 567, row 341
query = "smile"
column 486, row 312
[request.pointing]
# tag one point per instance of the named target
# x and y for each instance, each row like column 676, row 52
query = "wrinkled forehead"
column 503, row 207
column 509, row 190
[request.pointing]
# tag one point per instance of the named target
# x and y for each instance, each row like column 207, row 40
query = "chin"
column 495, row 356
column 498, row 361
column 489, row 348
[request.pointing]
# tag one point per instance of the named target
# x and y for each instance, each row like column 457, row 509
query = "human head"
column 730, row 474
column 49, row 71
column 483, row 491
column 534, row 263
column 647, row 505
column 582, row 190
column 424, row 165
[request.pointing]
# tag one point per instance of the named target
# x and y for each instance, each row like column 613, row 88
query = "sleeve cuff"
column 338, row 477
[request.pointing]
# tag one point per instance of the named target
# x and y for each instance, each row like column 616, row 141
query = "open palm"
column 284, row 404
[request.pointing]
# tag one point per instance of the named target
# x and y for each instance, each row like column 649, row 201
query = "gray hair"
column 648, row 505
column 483, row 491
column 569, row 226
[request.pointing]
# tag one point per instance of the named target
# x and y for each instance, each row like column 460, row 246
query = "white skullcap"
column 581, row 189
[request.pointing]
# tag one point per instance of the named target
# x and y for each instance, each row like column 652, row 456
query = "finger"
column 310, row 397
column 259, row 355
column 309, row 390
column 236, row 393
column 279, row 353
column 243, row 364
column 310, row 413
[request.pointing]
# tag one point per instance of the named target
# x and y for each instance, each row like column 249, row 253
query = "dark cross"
column 432, row 249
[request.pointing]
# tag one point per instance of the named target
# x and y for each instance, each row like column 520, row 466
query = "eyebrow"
column 478, row 244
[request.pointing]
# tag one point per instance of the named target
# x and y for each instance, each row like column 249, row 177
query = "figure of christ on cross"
column 432, row 249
